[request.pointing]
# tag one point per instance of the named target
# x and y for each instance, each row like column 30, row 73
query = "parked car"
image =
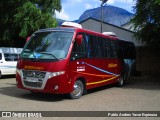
column 8, row 60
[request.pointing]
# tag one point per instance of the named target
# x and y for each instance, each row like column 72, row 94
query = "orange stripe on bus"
column 94, row 74
column 92, row 83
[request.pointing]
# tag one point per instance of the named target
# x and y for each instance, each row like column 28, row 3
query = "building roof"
column 107, row 24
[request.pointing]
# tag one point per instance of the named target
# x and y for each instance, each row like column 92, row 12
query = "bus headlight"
column 54, row 74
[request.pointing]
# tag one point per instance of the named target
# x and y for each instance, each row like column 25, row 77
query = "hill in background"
column 113, row 15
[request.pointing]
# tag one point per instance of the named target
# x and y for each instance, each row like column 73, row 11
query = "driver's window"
column 79, row 50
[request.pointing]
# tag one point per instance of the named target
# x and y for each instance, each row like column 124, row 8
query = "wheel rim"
column 121, row 81
column 77, row 89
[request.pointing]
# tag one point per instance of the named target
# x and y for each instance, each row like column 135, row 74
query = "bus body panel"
column 96, row 72
column 62, row 81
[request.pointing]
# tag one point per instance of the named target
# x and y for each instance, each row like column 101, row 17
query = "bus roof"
column 68, row 29
column 73, row 29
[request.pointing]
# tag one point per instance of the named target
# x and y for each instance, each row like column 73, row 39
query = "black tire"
column 121, row 81
column 78, row 90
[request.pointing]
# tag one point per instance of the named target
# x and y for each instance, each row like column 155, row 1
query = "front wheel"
column 78, row 90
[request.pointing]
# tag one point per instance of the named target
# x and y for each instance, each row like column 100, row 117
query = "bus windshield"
column 52, row 45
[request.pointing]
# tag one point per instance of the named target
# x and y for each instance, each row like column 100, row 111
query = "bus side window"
column 91, row 46
column 79, row 50
column 102, row 48
column 112, row 50
column 99, row 47
column 121, row 50
column 107, row 48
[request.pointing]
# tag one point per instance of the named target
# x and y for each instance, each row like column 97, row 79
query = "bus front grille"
column 33, row 84
column 33, row 74
column 33, row 79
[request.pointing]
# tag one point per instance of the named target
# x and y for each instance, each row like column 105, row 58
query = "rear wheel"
column 78, row 90
column 120, row 82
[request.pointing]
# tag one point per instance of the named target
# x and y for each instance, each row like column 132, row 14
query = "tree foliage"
column 147, row 21
column 20, row 18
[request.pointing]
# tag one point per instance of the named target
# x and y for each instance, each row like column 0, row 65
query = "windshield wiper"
column 49, row 54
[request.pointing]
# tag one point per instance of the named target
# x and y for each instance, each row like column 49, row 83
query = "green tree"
column 147, row 21
column 20, row 18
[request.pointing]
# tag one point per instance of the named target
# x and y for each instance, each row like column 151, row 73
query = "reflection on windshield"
column 48, row 45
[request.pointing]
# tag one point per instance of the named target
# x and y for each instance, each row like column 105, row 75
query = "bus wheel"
column 121, row 81
column 78, row 90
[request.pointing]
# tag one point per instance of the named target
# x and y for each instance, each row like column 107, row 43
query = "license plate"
column 32, row 80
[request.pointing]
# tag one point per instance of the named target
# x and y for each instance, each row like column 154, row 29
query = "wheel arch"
column 83, row 80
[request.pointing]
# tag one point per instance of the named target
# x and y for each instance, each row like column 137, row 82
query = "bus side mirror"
column 79, row 39
column 27, row 39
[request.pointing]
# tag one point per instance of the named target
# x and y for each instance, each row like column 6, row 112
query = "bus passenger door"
column 78, row 57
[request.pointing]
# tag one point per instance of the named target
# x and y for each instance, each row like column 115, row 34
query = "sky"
column 73, row 9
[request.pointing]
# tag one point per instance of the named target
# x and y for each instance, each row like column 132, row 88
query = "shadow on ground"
column 13, row 91
column 7, row 76
column 143, row 82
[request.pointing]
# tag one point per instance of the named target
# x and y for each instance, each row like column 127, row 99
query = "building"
column 128, row 26
column 122, row 33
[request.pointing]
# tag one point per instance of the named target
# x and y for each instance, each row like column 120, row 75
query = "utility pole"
column 103, row 2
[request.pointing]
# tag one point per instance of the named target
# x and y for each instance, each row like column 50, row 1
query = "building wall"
column 148, row 60
column 129, row 26
column 121, row 33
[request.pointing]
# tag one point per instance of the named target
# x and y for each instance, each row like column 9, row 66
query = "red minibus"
column 71, row 60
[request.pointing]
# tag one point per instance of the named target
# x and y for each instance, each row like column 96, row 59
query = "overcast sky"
column 72, row 9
